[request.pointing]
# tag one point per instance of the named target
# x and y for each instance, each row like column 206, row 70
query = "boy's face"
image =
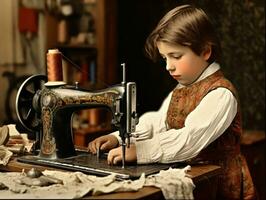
column 182, row 63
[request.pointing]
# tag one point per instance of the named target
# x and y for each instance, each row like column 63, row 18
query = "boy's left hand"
column 115, row 155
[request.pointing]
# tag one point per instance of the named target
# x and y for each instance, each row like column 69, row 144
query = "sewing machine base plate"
column 91, row 164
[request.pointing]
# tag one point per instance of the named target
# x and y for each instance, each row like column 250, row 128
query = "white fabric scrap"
column 99, row 185
column 5, row 155
column 174, row 183
column 24, row 136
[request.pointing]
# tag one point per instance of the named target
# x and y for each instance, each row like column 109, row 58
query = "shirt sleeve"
column 202, row 126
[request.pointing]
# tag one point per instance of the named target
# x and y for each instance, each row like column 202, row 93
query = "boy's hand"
column 115, row 155
column 105, row 142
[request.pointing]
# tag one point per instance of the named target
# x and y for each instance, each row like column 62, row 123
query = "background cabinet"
column 102, row 45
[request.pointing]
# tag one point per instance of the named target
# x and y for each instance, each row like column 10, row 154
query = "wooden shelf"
column 252, row 136
column 76, row 46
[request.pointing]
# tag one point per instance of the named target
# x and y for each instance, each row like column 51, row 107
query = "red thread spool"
column 54, row 65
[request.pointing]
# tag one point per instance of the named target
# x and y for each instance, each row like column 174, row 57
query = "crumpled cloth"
column 16, row 143
column 5, row 155
column 175, row 184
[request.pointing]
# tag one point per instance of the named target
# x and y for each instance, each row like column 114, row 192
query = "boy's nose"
column 170, row 67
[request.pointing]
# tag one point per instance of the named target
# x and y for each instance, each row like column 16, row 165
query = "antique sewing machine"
column 47, row 107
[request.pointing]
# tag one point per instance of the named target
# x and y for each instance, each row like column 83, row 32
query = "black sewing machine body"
column 49, row 109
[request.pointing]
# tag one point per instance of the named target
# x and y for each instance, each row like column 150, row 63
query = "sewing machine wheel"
column 27, row 99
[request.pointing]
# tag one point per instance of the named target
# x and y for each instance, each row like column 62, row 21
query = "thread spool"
column 54, row 67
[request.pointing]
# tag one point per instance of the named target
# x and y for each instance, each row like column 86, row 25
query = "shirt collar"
column 212, row 68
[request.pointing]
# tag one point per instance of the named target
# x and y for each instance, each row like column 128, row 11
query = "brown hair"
column 184, row 25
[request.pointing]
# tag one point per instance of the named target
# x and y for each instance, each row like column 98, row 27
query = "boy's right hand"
column 105, row 142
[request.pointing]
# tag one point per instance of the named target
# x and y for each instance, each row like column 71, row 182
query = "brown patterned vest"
column 186, row 99
column 224, row 151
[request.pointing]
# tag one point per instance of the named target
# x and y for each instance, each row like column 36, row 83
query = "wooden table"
column 205, row 178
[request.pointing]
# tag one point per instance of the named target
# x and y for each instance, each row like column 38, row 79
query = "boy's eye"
column 177, row 57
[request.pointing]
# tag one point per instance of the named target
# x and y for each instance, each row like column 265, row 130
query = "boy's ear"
column 207, row 51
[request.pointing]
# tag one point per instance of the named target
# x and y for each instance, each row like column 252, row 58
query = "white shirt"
column 155, row 143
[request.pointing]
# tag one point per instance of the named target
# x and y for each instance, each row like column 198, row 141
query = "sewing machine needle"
column 98, row 153
column 123, row 154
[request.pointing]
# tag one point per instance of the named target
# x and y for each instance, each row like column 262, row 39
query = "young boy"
column 199, row 121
